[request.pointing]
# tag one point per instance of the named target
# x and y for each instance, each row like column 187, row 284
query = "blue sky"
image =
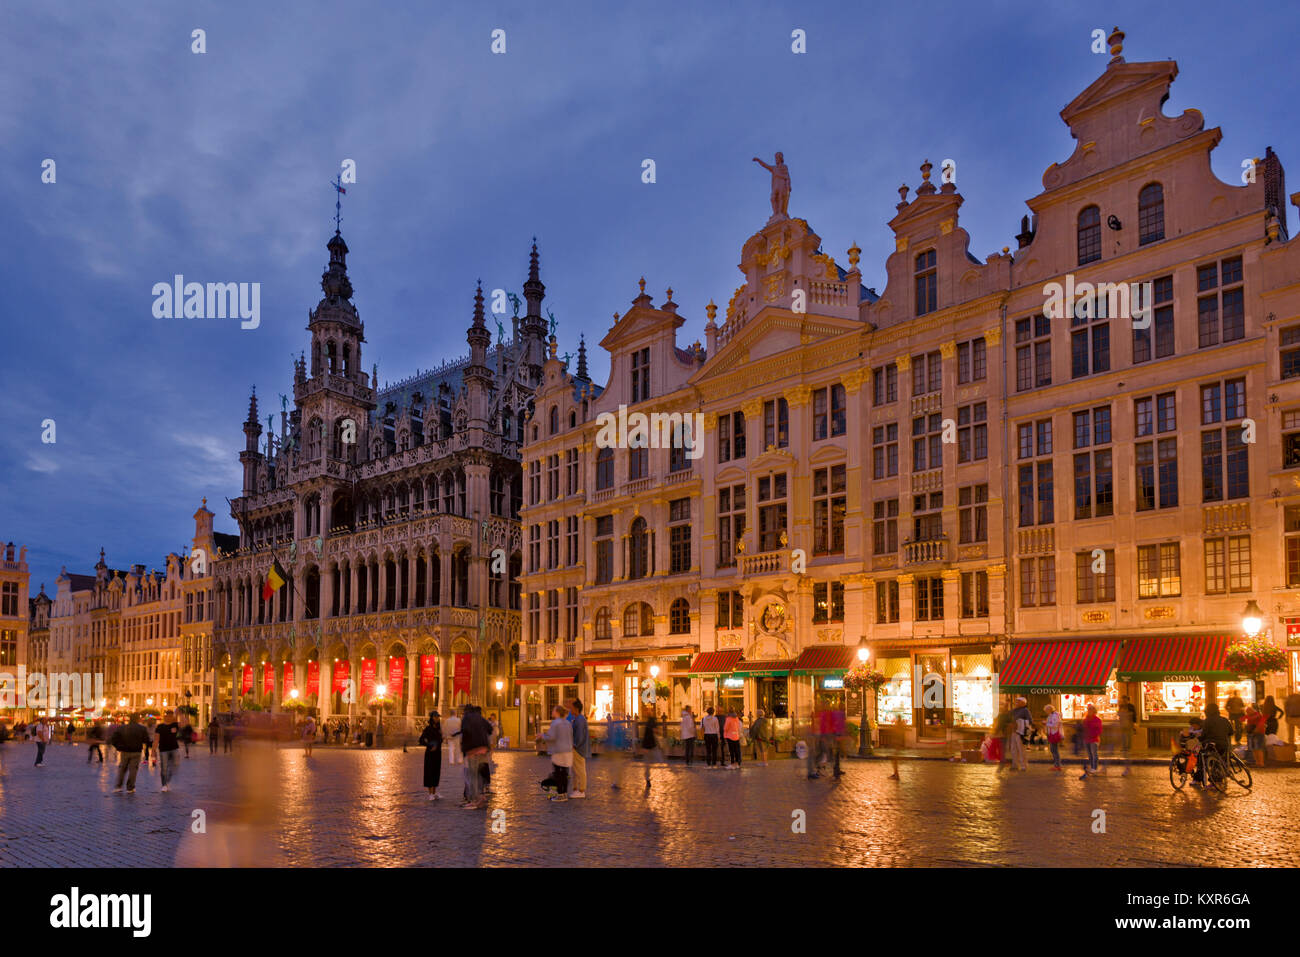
column 216, row 166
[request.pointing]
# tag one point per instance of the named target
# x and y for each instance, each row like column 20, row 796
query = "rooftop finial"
column 711, row 310
column 902, row 196
column 582, row 357
column 854, row 254
column 339, row 192
column 641, row 283
column 1116, row 41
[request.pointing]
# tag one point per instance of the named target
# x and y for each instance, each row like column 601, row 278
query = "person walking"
column 214, row 732
column 653, row 746
column 129, row 741
column 710, row 725
column 1021, row 722
column 1271, row 713
column 451, row 730
column 1127, row 729
column 475, row 742
column 227, row 737
column 431, row 738
column 1256, row 737
column 150, row 756
column 581, row 749
column 731, row 732
column 1091, row 741
column 759, row 734
column 187, row 736
column 67, row 732
column 42, row 733
column 559, row 744
column 94, row 741
column 1237, row 715
column 308, row 736
column 168, row 747
column 814, row 741
column 688, row 733
column 1292, row 708
column 1054, row 735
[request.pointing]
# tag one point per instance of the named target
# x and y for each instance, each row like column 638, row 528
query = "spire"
column 582, row 357
column 478, row 336
column 334, row 281
column 534, row 291
column 252, row 408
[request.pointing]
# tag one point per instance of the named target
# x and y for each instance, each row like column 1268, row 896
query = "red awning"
column 547, row 676
column 715, row 662
column 1176, row 658
column 1059, row 667
column 825, row 658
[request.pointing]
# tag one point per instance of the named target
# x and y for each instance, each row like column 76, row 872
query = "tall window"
column 679, row 535
column 1159, row 571
column 829, row 418
column 679, row 617
column 553, row 615
column 1090, row 338
column 638, row 549
column 927, row 517
column 571, row 549
column 974, row 594
column 552, row 477
column 604, row 469
column 638, row 463
column 9, row 599
column 1227, row 564
column 927, row 283
column 535, row 616
column 731, row 609
column 604, row 541
column 1033, row 353
column 602, row 630
column 1037, row 582
column 1225, row 466
column 641, row 375
column 553, row 543
column 1089, row 235
column 638, row 620
column 972, row 432
column 928, row 598
column 887, row 601
column 731, row 436
column 1221, row 303
column 1162, row 323
column 927, row 373
column 927, row 442
column 731, row 523
column 1290, row 342
column 1036, row 486
column 555, row 420
column 1094, row 489
column 828, row 602
column 571, row 471
column 1291, row 439
column 884, row 451
column 677, row 460
column 535, row 548
column 1156, row 461
column 771, row 511
column 571, row 629
column 972, row 514
column 1095, row 586
column 1291, row 532
column 884, row 382
column 972, row 364
column 884, row 527
column 829, row 504
column 1151, row 214
column 534, row 486
column 776, row 423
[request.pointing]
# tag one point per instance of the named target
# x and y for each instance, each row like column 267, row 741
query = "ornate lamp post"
column 381, row 692
column 864, row 724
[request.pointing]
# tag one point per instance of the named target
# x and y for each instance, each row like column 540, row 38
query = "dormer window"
column 640, row 375
column 927, row 283
column 1151, row 214
column 1089, row 235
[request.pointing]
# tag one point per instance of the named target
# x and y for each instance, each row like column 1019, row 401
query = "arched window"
column 1089, row 235
column 332, row 357
column 555, row 420
column 313, row 439
column 638, row 621
column 679, row 617
column 603, row 632
column 1151, row 214
column 605, row 468
column 638, row 558
column 927, row 283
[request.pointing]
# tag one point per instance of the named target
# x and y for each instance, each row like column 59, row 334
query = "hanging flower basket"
column 1254, row 657
column 861, row 676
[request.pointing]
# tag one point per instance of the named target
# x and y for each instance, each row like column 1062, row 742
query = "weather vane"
column 337, row 183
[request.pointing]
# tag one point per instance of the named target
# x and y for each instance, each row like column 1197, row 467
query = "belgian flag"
column 275, row 580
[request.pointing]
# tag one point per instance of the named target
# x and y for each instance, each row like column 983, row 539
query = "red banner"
column 313, row 677
column 396, row 676
column 246, row 685
column 367, row 677
column 461, row 673
column 342, row 672
column 268, row 677
column 1292, row 632
column 288, row 678
column 428, row 673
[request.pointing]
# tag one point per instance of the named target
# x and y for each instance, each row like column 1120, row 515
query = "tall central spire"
column 534, row 291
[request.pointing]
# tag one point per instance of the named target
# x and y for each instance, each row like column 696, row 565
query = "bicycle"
column 1214, row 770
column 1238, row 771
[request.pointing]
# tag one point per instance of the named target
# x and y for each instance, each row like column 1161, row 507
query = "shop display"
column 1076, row 705
column 1223, row 690
column 1172, row 698
column 972, row 691
column 894, row 699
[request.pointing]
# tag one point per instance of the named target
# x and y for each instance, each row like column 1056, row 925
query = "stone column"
column 383, row 584
column 327, row 606
column 410, row 580
column 412, row 684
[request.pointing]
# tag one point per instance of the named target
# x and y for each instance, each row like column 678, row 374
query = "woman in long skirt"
column 431, row 738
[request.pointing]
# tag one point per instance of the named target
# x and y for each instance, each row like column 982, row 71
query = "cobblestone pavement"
column 349, row 808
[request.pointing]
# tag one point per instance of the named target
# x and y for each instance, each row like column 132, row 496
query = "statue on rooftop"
column 780, row 186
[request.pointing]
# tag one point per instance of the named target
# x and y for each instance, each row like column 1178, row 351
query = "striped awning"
column 715, row 662
column 547, row 676
column 1059, row 667
column 825, row 659
column 761, row 669
column 1176, row 658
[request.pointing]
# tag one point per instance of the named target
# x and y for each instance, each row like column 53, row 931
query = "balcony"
column 764, row 563
column 638, row 486
column 1036, row 541
column 1229, row 517
column 677, row 478
column 928, row 481
column 925, row 552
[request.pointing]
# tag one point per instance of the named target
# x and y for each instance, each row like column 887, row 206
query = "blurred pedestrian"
column 67, row 732
column 476, row 742
column 1237, row 715
column 214, row 732
column 688, row 732
column 308, row 735
column 42, row 733
column 710, row 727
column 451, row 731
column 1092, row 729
column 128, row 741
column 94, row 741
column 1021, row 722
column 1271, row 713
column 731, row 732
column 431, row 738
column 1127, row 729
column 814, row 741
column 581, row 749
column 1054, row 736
column 652, row 745
column 759, row 734
column 559, row 744
column 187, row 736
column 150, row 756
column 168, row 747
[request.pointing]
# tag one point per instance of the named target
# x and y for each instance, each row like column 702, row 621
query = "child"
column 1190, row 742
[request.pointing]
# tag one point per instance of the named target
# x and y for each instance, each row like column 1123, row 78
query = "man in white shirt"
column 451, row 731
column 688, row 732
column 710, row 726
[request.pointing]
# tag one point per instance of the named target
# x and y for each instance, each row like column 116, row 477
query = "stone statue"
column 550, row 315
column 780, row 186
column 501, row 332
column 284, row 404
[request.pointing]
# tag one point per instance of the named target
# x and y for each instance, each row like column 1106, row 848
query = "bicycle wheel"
column 1177, row 773
column 1238, row 771
column 1216, row 773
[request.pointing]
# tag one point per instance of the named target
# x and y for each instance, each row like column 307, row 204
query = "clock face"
column 773, row 617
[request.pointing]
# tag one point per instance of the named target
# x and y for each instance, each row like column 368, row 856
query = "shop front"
column 1068, row 674
column 1172, row 677
column 540, row 690
column 931, row 693
column 720, row 689
column 822, row 668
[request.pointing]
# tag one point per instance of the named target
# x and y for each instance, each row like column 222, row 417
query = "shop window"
column 1159, row 571
column 1037, row 582
column 887, row 602
column 1224, row 690
column 894, row 699
column 884, row 451
column 828, row 602
column 1168, row 698
column 884, row 379
column 1033, row 353
column 1227, row 565
column 1074, row 707
column 972, row 690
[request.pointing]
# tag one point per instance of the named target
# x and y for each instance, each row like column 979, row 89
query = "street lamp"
column 864, row 724
column 294, row 694
column 1252, row 619
column 380, row 691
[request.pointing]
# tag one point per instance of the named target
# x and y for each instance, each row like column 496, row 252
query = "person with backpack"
column 129, row 740
column 1022, row 722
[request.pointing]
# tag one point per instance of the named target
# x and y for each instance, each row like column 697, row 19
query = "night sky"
column 217, row 166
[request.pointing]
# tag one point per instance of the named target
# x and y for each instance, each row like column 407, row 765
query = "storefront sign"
column 288, row 678
column 461, row 672
column 246, row 684
column 1292, row 632
column 313, row 677
column 733, row 682
column 428, row 673
column 833, row 684
column 342, row 675
column 396, row 676
column 367, row 676
column 268, row 677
